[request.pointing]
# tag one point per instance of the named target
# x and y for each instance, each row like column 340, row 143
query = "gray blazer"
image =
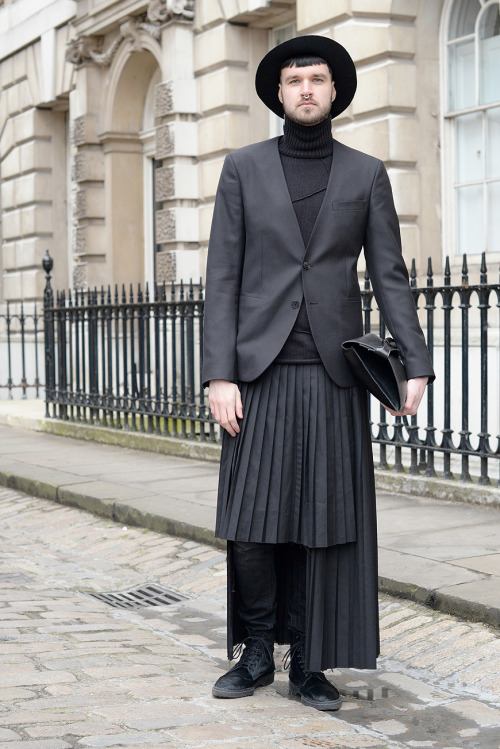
column 258, row 268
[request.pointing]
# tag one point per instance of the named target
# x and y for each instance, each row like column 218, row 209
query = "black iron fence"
column 131, row 359
column 21, row 347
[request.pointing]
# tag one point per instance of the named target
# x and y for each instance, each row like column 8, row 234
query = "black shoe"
column 314, row 688
column 254, row 669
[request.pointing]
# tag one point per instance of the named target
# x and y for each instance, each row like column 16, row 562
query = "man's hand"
column 225, row 404
column 414, row 392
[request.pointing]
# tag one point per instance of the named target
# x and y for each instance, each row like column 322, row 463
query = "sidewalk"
column 441, row 553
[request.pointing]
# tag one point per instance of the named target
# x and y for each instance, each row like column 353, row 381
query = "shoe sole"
column 229, row 694
column 333, row 705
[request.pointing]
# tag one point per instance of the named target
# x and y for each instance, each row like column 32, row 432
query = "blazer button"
column 295, row 304
column 305, row 265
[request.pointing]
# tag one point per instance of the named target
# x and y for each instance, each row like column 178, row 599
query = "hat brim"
column 267, row 77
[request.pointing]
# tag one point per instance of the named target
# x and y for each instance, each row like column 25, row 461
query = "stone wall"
column 33, row 140
column 91, row 92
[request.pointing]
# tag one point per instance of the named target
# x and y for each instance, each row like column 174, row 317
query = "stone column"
column 176, row 180
column 91, row 257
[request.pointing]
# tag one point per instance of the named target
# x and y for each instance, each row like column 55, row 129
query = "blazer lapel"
column 274, row 180
column 279, row 198
column 325, row 219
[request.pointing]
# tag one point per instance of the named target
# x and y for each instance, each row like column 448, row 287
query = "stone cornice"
column 90, row 49
column 162, row 11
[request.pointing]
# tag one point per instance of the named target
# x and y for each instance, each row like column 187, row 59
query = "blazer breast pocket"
column 349, row 205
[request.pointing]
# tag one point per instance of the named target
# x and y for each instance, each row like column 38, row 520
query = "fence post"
column 48, row 325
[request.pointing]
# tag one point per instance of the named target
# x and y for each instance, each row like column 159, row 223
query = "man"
column 296, row 498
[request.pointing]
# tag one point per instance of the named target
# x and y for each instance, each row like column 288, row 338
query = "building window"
column 472, row 122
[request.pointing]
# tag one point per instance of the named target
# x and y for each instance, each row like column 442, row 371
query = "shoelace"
column 287, row 658
column 251, row 656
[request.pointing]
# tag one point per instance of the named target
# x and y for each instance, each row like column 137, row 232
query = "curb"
column 110, row 509
column 471, row 611
column 182, row 448
column 126, row 515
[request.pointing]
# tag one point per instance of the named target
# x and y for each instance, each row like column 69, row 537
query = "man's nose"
column 306, row 89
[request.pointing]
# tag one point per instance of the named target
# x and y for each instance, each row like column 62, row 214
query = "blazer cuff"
column 206, row 383
column 431, row 376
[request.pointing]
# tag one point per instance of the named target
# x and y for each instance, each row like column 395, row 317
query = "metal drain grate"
column 147, row 595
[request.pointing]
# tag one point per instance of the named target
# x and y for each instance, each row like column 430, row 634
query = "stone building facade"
column 116, row 115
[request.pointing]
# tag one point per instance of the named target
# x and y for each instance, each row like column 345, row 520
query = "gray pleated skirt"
column 301, row 471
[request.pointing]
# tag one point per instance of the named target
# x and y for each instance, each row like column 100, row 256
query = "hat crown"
column 334, row 54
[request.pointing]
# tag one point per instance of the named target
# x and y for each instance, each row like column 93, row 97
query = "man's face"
column 307, row 93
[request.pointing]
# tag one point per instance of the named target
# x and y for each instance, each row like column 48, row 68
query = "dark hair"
column 303, row 61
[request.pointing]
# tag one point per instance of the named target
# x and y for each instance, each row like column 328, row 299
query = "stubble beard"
column 301, row 116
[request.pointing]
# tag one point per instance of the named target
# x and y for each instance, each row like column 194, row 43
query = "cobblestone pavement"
column 77, row 673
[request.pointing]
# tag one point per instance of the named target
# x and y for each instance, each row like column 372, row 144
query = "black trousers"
column 255, row 577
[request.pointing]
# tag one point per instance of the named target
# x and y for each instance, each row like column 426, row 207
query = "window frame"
column 449, row 143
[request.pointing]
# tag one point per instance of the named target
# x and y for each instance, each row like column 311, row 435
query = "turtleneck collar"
column 307, row 142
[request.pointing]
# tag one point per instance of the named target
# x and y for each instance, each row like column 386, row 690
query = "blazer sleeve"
column 224, row 264
column 389, row 277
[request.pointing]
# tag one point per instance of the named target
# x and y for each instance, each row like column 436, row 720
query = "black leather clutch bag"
column 379, row 366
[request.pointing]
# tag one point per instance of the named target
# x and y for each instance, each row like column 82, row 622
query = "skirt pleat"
column 287, row 477
column 300, row 471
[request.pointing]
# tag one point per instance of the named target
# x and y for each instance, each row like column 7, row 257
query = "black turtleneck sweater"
column 306, row 156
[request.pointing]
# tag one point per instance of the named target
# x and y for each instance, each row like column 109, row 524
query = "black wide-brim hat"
column 338, row 58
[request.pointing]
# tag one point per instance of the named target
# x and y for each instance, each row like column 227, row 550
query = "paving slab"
column 426, row 573
column 490, row 563
column 474, row 539
column 427, row 547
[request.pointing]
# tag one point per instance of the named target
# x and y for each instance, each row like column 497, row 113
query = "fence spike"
column 465, row 269
column 447, row 271
column 139, row 293
column 109, row 294
column 484, row 270
column 147, row 292
column 430, row 275
column 191, row 289
column 413, row 274
column 172, row 290
column 200, row 290
column 156, row 291
column 70, row 298
column 164, row 292
column 181, row 291
column 47, row 264
column 131, row 294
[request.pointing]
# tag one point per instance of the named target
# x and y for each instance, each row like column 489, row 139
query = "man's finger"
column 229, row 422
column 239, row 405
column 233, row 423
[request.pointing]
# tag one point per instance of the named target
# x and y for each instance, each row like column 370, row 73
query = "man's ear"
column 334, row 92
column 280, row 95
